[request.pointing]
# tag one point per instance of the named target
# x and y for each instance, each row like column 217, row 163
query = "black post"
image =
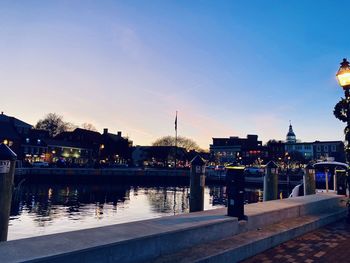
column 7, row 171
column 197, row 183
column 235, row 191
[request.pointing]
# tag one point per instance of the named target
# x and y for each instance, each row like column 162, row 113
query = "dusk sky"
column 230, row 68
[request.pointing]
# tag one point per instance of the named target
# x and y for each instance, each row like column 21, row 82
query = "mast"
column 175, row 140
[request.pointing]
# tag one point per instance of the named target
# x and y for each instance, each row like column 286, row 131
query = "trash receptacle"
column 235, row 191
column 340, row 181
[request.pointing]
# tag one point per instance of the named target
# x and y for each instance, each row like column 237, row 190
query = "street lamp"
column 343, row 74
column 342, row 108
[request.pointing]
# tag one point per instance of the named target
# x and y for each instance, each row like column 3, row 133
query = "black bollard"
column 7, row 171
column 235, row 191
column 197, row 183
column 271, row 181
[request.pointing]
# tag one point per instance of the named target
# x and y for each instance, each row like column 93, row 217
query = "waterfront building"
column 78, row 147
column 106, row 148
column 86, row 138
column 33, row 146
column 300, row 151
column 317, row 150
column 12, row 130
column 67, row 153
column 246, row 150
column 159, row 156
column 276, row 150
column 291, row 138
column 305, row 150
column 333, row 150
column 115, row 148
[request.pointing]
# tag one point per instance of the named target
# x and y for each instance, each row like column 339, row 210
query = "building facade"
column 304, row 148
column 291, row 138
column 12, row 130
column 333, row 150
column 318, row 150
column 245, row 150
column 276, row 150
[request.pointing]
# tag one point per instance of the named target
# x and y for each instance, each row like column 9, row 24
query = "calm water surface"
column 46, row 209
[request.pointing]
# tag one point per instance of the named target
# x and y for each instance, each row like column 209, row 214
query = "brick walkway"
column 328, row 244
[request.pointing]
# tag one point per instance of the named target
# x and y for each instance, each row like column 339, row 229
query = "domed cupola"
column 291, row 138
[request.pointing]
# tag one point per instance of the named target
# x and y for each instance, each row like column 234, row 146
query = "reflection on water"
column 45, row 209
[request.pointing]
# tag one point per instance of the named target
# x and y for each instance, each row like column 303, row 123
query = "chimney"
column 105, row 131
column 119, row 134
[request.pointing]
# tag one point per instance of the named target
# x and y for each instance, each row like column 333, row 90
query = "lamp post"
column 342, row 108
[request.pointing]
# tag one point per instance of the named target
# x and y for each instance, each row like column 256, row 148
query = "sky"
column 230, row 68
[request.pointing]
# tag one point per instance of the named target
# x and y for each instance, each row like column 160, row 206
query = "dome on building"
column 291, row 138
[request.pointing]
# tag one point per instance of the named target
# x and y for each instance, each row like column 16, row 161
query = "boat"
column 330, row 176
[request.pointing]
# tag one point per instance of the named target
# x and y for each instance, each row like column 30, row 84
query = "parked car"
column 118, row 165
column 254, row 171
column 40, row 164
column 220, row 168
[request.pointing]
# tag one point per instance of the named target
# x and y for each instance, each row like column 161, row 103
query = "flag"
column 176, row 122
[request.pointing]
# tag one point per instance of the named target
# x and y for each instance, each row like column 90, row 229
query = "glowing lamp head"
column 343, row 74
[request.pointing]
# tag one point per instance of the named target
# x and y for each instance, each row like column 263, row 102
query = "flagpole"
column 176, row 140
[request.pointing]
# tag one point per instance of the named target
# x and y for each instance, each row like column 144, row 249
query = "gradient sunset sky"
column 230, row 68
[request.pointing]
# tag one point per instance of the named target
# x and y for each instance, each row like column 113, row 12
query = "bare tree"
column 88, row 126
column 184, row 142
column 54, row 124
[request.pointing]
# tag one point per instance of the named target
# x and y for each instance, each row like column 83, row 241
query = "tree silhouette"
column 88, row 126
column 54, row 124
column 183, row 142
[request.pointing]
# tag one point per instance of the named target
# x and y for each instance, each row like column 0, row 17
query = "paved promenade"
column 327, row 244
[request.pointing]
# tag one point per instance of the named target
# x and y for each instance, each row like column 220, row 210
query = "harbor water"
column 41, row 209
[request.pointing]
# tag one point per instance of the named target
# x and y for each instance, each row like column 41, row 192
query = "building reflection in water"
column 45, row 209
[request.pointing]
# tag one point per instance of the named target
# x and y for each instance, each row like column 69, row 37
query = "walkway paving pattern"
column 328, row 244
